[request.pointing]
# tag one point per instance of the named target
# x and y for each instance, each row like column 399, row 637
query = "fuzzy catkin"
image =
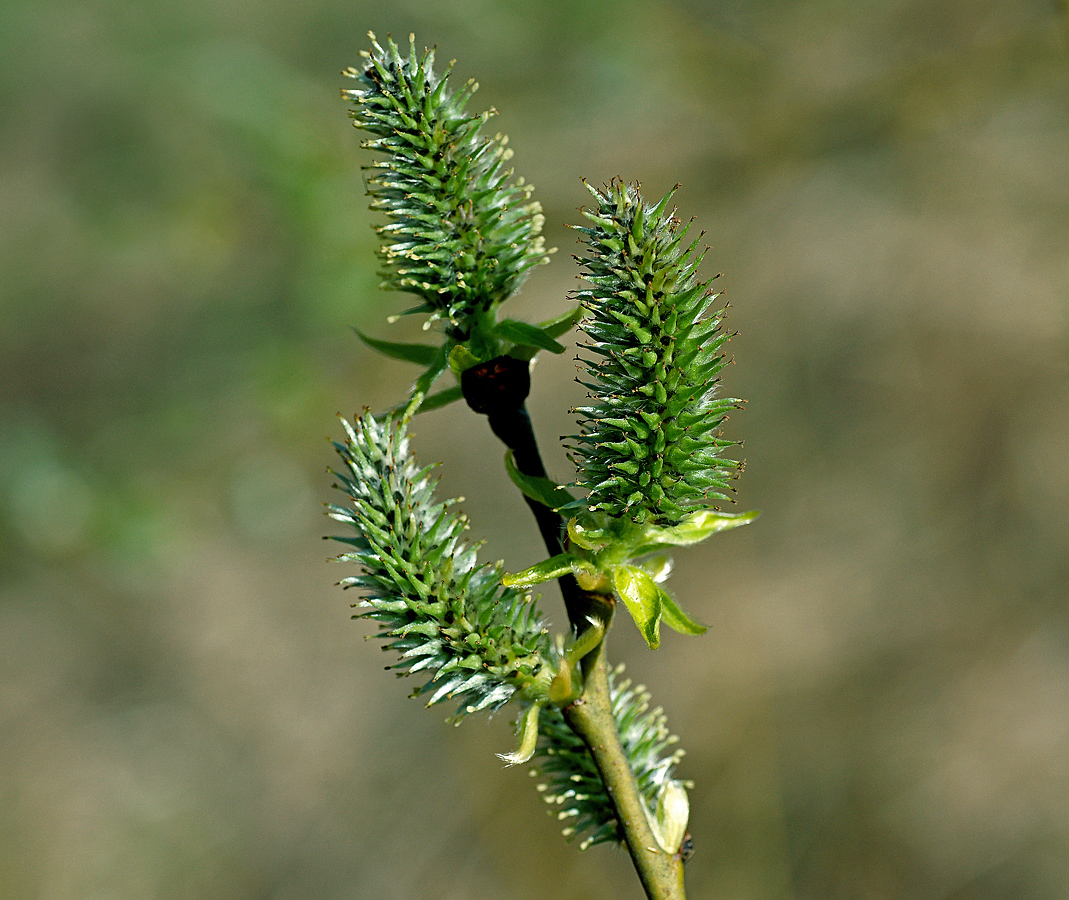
column 650, row 443
column 436, row 606
column 462, row 234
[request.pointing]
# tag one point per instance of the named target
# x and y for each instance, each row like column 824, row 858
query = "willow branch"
column 591, row 718
column 499, row 389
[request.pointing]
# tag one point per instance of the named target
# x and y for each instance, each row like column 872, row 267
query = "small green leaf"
column 434, row 370
column 591, row 636
column 461, row 359
column 567, row 684
column 676, row 619
column 694, row 528
column 591, row 578
column 587, row 536
column 546, row 570
column 412, row 311
column 528, row 738
column 420, row 354
column 563, row 323
column 541, row 490
column 442, row 398
column 524, row 333
column 434, row 401
column 424, row 382
column 643, row 600
column 564, row 687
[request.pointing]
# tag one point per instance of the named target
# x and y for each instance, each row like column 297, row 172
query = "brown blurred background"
column 881, row 706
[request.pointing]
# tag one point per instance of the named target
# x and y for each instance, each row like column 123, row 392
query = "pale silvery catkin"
column 437, row 607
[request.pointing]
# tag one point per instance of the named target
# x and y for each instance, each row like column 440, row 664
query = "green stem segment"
column 498, row 390
column 591, row 718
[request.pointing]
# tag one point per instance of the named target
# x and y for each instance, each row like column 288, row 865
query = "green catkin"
column 650, row 440
column 436, row 606
column 477, row 643
column 462, row 233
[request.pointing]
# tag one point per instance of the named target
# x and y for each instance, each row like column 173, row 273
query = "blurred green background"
column 881, row 707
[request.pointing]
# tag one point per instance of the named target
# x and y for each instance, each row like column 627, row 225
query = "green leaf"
column 546, row 570
column 524, row 333
column 522, row 351
column 676, row 619
column 528, row 738
column 567, row 684
column 411, row 311
column 434, row 370
column 461, row 359
column 424, row 382
column 541, row 490
column 694, row 528
column 563, row 323
column 442, row 398
column 643, row 600
column 434, row 401
column 551, row 328
column 420, row 354
column 586, row 535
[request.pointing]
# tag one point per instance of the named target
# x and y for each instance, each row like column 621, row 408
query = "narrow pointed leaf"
column 434, row 401
column 528, row 738
column 587, row 536
column 442, row 398
column 692, row 530
column 420, row 354
column 541, row 490
column 412, row 311
column 554, row 328
column 424, row 382
column 546, row 570
column 676, row 619
column 524, row 333
column 563, row 323
column 434, row 370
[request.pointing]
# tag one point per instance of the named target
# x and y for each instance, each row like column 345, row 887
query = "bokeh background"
column 881, row 706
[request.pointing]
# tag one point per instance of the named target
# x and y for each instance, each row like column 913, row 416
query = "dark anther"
column 502, row 383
